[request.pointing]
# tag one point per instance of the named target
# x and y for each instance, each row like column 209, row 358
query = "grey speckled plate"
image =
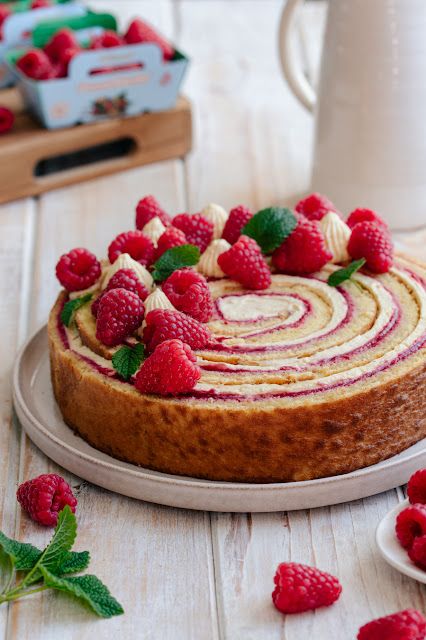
column 42, row 420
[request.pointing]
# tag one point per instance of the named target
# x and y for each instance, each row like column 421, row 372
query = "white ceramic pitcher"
column 370, row 108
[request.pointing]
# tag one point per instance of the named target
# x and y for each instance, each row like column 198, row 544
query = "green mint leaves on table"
column 51, row 569
column 127, row 360
column 270, row 227
column 71, row 307
column 339, row 276
column 187, row 255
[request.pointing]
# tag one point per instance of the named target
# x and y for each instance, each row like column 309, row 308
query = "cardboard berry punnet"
column 124, row 80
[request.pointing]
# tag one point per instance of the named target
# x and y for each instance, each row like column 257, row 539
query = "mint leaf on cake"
column 71, row 307
column 186, row 255
column 270, row 227
column 341, row 275
column 127, row 360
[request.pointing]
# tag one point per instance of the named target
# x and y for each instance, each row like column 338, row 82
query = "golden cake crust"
column 245, row 442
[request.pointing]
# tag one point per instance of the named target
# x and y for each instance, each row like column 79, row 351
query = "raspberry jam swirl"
column 302, row 337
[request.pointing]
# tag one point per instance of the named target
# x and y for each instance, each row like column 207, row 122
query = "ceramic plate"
column 42, row 420
column 390, row 548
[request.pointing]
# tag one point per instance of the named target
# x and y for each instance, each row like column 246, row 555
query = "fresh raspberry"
column 172, row 237
column 127, row 279
column 417, row 553
column 189, row 292
column 245, row 263
column 136, row 244
column 149, row 208
column 139, row 31
column 315, row 206
column 304, row 251
column 78, row 270
column 166, row 324
column 197, row 229
column 170, row 370
column 373, row 243
column 238, row 217
column 410, row 524
column 35, row 64
column 365, row 215
column 302, row 588
column 61, row 67
column 120, row 313
column 44, row 497
column 416, row 489
column 40, row 4
column 404, row 625
column 7, row 120
column 59, row 43
column 106, row 40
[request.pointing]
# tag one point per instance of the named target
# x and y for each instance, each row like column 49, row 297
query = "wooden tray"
column 34, row 160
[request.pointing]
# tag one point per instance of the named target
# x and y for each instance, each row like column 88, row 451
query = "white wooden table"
column 181, row 574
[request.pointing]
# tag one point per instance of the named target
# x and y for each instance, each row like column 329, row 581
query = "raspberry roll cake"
column 269, row 348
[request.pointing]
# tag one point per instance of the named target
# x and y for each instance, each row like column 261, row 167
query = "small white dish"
column 390, row 548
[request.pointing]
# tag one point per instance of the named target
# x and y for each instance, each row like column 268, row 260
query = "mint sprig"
column 50, row 569
column 339, row 276
column 270, row 227
column 187, row 255
column 71, row 307
column 127, row 360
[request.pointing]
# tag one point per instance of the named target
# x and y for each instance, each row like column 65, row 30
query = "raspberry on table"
column 410, row 524
column 197, row 229
column 237, row 219
column 139, row 31
column 149, row 208
column 365, row 215
column 44, row 497
column 136, row 244
column 78, row 269
column 370, row 241
column 170, row 370
column 417, row 552
column 189, row 292
column 245, row 263
column 120, row 313
column 165, row 324
column 172, row 237
column 304, row 251
column 315, row 206
column 404, row 625
column 302, row 588
column 7, row 119
column 35, row 64
column 106, row 40
column 416, row 488
column 63, row 40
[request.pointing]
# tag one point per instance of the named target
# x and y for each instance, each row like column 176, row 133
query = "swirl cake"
column 300, row 380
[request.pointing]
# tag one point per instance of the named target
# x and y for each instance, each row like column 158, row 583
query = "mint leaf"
column 6, row 570
column 62, row 541
column 127, row 360
column 270, row 227
column 71, row 307
column 24, row 556
column 87, row 588
column 187, row 255
column 339, row 276
column 74, row 562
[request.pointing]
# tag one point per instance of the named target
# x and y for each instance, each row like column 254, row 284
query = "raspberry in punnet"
column 301, row 588
column 315, row 206
column 170, row 370
column 44, row 497
column 120, row 313
column 245, row 263
column 172, row 237
column 370, row 241
column 165, row 324
column 189, row 292
column 7, row 119
column 196, row 228
column 365, row 215
column 136, row 244
column 106, row 40
column 417, row 553
column 139, row 31
column 149, row 208
column 416, row 489
column 404, row 625
column 78, row 269
column 36, row 65
column 40, row 4
column 237, row 219
column 410, row 524
column 304, row 251
column 63, row 40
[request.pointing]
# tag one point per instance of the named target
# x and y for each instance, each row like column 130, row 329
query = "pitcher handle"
column 293, row 73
